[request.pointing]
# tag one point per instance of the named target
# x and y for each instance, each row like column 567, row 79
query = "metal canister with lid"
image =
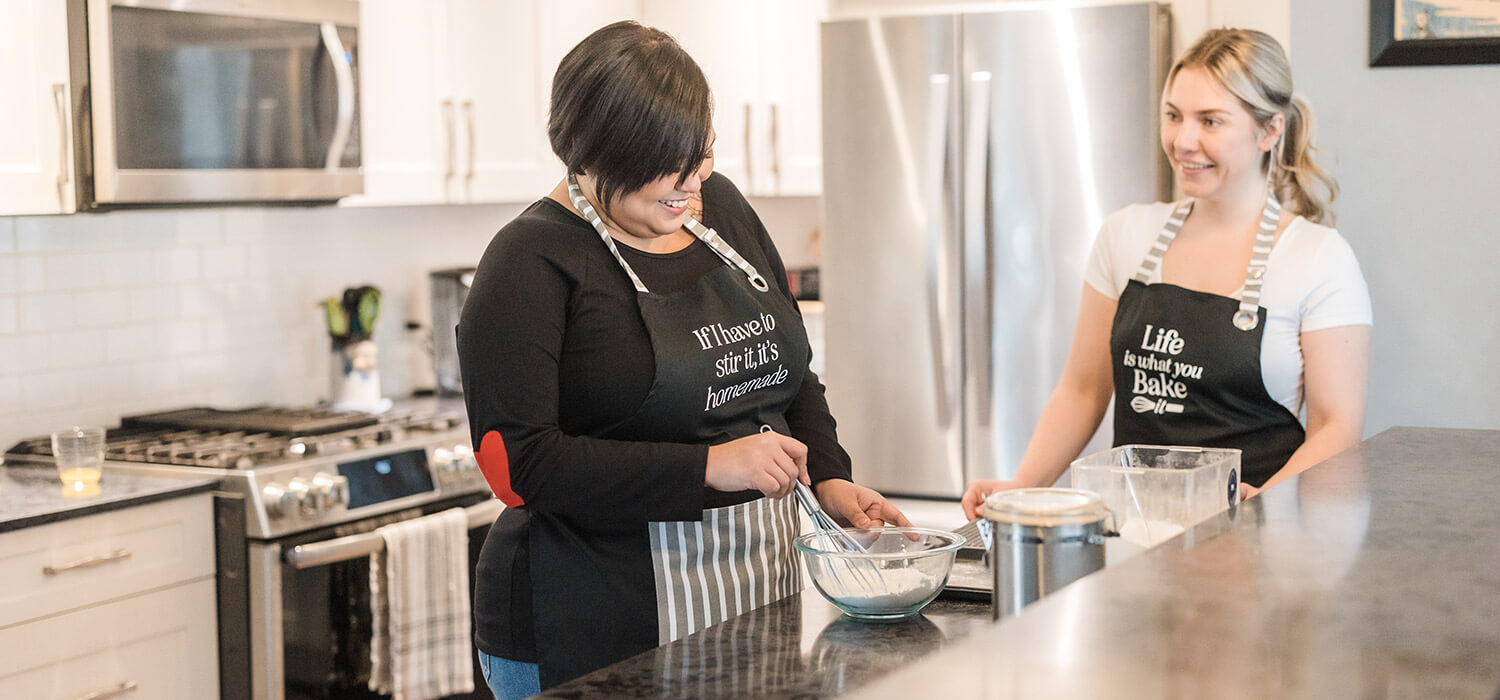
column 1041, row 540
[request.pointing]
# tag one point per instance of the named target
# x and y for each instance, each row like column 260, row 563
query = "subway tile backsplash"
column 104, row 315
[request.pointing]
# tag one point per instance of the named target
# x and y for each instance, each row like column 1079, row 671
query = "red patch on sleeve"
column 495, row 466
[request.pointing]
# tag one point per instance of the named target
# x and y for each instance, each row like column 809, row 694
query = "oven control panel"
column 360, row 484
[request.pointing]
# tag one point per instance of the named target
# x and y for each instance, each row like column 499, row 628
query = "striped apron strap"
column 1158, row 249
column 726, row 252
column 734, row 560
column 1248, row 315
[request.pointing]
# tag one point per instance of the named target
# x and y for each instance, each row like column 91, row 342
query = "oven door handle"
column 332, row 551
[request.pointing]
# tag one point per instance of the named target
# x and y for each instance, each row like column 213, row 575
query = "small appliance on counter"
column 1041, row 540
column 449, row 290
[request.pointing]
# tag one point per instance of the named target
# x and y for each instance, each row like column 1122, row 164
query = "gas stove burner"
column 261, row 436
column 268, row 419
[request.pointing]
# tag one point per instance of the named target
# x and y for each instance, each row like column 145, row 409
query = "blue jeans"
column 509, row 680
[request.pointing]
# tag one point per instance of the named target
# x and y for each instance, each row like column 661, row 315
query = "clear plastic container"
column 1157, row 492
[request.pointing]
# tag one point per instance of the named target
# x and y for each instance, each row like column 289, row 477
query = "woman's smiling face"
column 661, row 207
column 1212, row 141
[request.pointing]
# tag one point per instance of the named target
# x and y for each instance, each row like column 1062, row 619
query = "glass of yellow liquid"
column 79, row 452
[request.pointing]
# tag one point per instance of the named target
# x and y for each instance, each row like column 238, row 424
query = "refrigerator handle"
column 980, row 288
column 749, row 152
column 937, row 237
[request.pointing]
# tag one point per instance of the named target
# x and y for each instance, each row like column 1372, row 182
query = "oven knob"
column 274, row 496
column 463, row 458
column 329, row 490
column 298, row 493
column 443, row 459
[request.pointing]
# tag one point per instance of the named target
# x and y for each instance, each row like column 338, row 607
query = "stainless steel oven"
column 303, row 491
column 198, row 101
column 309, row 597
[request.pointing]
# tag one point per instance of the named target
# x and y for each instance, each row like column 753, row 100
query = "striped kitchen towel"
column 419, row 598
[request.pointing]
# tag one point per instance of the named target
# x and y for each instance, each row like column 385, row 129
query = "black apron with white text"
column 1187, row 366
column 730, row 356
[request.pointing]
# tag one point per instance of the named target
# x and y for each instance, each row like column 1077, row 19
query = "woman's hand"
column 974, row 495
column 766, row 462
column 857, row 506
column 1248, row 492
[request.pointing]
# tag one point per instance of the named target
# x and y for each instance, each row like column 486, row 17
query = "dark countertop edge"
column 184, row 487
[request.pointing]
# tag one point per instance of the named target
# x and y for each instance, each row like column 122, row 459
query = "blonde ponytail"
column 1296, row 177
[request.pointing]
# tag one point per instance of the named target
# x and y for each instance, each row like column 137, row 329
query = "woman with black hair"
column 626, row 343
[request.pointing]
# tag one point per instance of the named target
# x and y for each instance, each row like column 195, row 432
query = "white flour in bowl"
column 868, row 587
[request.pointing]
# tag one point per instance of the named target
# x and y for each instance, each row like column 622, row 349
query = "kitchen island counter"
column 1374, row 574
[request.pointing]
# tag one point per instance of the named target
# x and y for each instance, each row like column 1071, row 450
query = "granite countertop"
column 798, row 647
column 1374, row 574
column 33, row 495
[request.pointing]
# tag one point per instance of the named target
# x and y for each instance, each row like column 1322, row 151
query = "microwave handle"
column 343, row 77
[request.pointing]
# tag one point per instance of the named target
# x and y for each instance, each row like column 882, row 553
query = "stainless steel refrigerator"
column 969, row 160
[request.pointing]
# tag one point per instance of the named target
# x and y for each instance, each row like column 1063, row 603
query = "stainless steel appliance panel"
column 969, row 160
column 216, row 101
column 1060, row 131
column 890, row 128
column 450, row 289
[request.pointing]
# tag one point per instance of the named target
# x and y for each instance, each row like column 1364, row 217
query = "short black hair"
column 629, row 106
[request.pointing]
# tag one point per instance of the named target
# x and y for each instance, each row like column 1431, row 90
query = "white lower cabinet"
column 161, row 645
column 115, row 604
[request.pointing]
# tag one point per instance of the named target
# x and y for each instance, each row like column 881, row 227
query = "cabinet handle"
column 749, row 157
column 60, row 101
column 447, row 107
column 469, row 124
column 121, row 689
column 775, row 150
column 87, row 562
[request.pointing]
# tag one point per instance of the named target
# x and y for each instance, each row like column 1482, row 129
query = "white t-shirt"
column 1312, row 282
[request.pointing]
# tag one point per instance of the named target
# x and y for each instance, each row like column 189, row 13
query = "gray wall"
column 1416, row 151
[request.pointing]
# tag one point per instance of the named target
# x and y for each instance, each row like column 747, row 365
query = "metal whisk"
column 833, row 538
column 828, row 530
column 863, row 576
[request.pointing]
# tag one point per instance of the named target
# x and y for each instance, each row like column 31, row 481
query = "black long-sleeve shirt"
column 554, row 352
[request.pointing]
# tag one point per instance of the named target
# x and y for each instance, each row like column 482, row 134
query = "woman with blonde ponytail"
column 1218, row 320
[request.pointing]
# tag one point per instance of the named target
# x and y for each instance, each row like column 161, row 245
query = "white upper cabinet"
column 791, row 86
column 406, row 127
column 762, row 60
column 499, row 113
column 455, row 96
column 36, row 139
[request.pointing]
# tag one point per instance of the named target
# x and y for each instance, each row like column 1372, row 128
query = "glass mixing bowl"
column 903, row 570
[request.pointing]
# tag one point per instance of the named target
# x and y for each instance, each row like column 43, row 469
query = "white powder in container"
column 865, row 586
column 1149, row 533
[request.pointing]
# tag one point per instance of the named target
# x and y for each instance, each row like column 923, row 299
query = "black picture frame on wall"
column 1387, row 50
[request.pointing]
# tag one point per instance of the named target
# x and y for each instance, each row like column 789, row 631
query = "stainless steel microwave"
column 215, row 101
